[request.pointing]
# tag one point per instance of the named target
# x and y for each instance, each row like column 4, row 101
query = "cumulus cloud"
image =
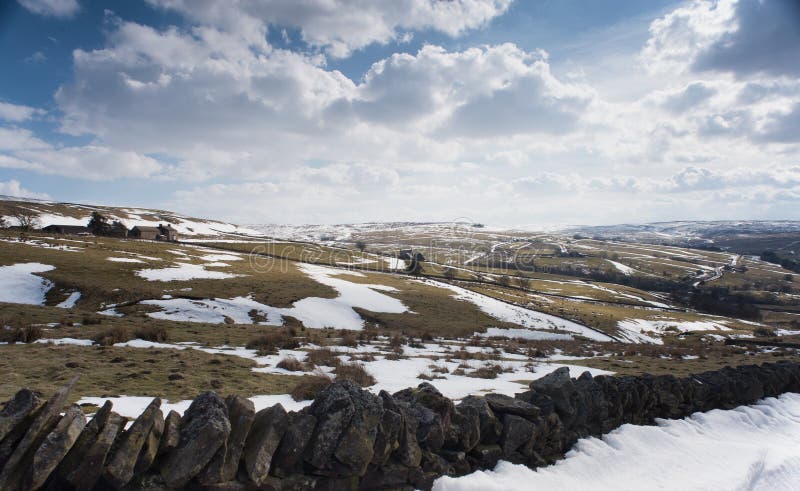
column 340, row 26
column 14, row 189
column 16, row 113
column 21, row 149
column 479, row 92
column 51, row 8
column 742, row 37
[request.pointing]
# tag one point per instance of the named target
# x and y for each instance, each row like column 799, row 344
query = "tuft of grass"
column 354, row 372
column 269, row 343
column 323, row 356
column 294, row 365
column 27, row 334
column 156, row 334
column 309, row 387
column 113, row 335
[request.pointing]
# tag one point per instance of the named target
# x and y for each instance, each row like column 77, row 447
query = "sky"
column 504, row 112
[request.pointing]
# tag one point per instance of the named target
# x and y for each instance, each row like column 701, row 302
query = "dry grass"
column 270, row 342
column 25, row 334
column 292, row 364
column 323, row 357
column 354, row 372
column 110, row 371
column 309, row 386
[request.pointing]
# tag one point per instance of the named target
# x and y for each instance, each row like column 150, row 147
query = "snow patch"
column 18, row 284
column 183, row 272
column 751, row 447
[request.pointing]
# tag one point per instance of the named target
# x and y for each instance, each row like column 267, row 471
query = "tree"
column 449, row 273
column 98, row 224
column 27, row 219
column 118, row 229
column 361, row 245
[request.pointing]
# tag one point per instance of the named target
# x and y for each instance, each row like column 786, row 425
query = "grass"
column 354, row 372
column 108, row 371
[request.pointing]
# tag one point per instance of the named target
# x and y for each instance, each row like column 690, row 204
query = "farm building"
column 162, row 232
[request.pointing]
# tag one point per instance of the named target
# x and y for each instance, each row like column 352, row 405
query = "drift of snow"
column 18, row 284
column 750, row 447
column 213, row 311
column 70, row 301
column 522, row 334
column 183, row 272
column 125, row 260
column 313, row 312
column 626, row 270
column 640, row 330
column 519, row 315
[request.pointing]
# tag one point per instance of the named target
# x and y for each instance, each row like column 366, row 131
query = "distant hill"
column 56, row 213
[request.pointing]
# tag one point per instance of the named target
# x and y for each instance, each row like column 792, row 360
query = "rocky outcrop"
column 350, row 438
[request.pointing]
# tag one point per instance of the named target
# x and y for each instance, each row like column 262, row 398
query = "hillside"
column 480, row 309
column 54, row 213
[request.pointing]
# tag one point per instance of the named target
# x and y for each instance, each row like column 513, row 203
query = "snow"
column 750, row 447
column 395, row 263
column 183, row 272
column 635, row 329
column 522, row 334
column 124, row 260
column 313, row 312
column 519, row 315
column 213, row 311
column 220, row 257
column 18, row 284
column 63, row 341
column 626, row 270
column 70, row 301
column 133, row 406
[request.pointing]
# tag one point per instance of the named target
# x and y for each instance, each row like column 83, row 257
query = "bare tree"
column 26, row 219
column 361, row 245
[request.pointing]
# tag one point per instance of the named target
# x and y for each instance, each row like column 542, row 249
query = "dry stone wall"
column 349, row 438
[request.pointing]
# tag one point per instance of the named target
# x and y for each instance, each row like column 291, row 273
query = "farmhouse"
column 162, row 232
column 67, row 229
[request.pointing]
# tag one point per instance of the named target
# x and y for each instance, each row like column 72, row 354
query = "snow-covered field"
column 314, row 312
column 748, row 448
column 519, row 315
column 21, row 285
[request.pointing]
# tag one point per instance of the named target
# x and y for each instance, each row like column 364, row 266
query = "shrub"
column 764, row 332
column 27, row 334
column 490, row 371
column 155, row 334
column 309, row 387
column 293, row 365
column 349, row 340
column 113, row 335
column 323, row 356
column 354, row 372
column 269, row 343
column 429, row 377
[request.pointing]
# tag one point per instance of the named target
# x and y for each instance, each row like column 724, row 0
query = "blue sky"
column 508, row 112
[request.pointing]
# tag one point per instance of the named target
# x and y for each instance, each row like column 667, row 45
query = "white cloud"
column 742, row 37
column 14, row 189
column 51, row 8
column 340, row 26
column 16, row 113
